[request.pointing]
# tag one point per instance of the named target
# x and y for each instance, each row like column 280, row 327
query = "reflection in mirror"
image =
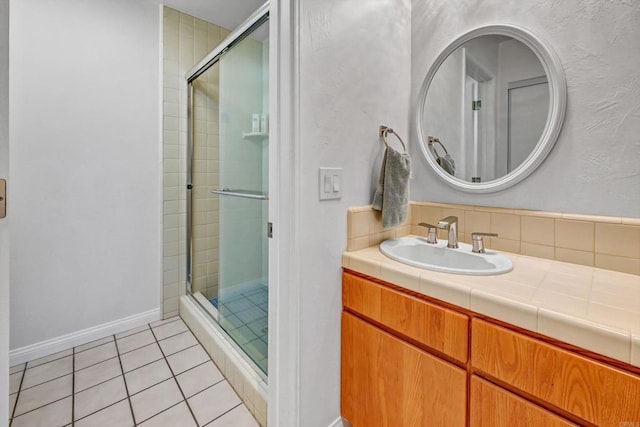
column 488, row 104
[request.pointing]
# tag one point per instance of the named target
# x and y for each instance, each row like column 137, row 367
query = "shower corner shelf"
column 254, row 135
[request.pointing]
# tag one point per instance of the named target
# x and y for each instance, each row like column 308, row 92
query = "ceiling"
column 225, row 13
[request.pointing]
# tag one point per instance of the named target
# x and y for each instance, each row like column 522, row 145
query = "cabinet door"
column 592, row 391
column 492, row 406
column 387, row 382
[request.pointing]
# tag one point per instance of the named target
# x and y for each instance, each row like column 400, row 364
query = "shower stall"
column 227, row 187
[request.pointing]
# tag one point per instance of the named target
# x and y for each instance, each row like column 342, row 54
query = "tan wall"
column 186, row 40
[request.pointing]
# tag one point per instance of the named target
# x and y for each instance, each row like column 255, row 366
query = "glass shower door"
column 228, row 213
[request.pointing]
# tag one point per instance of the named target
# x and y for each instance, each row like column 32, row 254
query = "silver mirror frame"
column 555, row 118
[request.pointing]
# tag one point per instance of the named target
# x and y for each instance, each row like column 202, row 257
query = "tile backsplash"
column 611, row 243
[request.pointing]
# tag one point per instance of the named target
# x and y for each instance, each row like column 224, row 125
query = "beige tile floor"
column 157, row 375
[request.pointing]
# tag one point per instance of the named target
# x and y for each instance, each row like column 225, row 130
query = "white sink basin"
column 417, row 252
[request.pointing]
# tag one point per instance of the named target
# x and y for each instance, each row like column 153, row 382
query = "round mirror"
column 491, row 108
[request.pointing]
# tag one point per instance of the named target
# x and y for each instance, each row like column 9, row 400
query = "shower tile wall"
column 186, row 40
column 206, row 175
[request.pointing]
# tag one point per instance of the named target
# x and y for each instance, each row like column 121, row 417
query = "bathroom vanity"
column 547, row 343
column 412, row 359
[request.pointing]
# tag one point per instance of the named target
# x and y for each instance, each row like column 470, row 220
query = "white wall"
column 4, row 223
column 593, row 168
column 354, row 74
column 85, row 164
column 444, row 106
column 517, row 62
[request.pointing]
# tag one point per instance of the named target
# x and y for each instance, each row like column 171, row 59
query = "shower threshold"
column 243, row 318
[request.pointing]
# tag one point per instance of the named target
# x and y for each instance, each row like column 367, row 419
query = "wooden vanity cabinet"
column 493, row 406
column 584, row 388
column 387, row 382
column 440, row 329
column 409, row 361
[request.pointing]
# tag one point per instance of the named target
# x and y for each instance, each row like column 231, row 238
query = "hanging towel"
column 392, row 192
column 447, row 164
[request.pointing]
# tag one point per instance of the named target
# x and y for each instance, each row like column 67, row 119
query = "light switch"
column 327, row 184
column 330, row 185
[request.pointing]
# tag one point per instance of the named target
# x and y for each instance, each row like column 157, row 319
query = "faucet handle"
column 478, row 243
column 432, row 237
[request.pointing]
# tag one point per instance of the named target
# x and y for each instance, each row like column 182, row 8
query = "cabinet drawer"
column 590, row 390
column 492, row 406
column 387, row 382
column 436, row 327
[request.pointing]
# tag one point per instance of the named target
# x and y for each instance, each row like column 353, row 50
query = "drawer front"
column 436, row 327
column 386, row 382
column 590, row 390
column 493, row 406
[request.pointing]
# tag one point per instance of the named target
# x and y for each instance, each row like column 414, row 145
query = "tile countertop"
column 595, row 309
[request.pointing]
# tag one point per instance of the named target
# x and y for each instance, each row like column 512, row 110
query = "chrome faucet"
column 432, row 236
column 478, row 244
column 450, row 223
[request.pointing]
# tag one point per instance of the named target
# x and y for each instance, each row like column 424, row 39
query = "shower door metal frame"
column 258, row 18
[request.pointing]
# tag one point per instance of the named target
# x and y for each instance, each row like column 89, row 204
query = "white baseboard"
column 337, row 423
column 64, row 342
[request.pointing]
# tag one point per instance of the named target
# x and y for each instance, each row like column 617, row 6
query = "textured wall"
column 593, row 168
column 85, row 169
column 354, row 74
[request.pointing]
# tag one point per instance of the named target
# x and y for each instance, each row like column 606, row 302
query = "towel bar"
column 383, row 131
column 240, row 193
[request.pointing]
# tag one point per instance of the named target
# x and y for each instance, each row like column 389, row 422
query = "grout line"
column 92, row 347
column 45, row 363
column 126, row 387
column 175, row 379
column 225, row 413
column 142, row 366
column 15, row 405
column 135, row 349
column 73, row 386
column 102, row 409
column 180, row 351
column 164, row 410
column 42, row 406
column 175, row 335
column 48, row 381
column 129, row 335
column 152, row 385
column 24, row 367
column 100, row 383
column 163, row 381
column 224, row 379
column 165, row 322
column 169, row 336
column 97, row 363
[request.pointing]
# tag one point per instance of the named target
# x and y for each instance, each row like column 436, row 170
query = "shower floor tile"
column 244, row 316
column 155, row 391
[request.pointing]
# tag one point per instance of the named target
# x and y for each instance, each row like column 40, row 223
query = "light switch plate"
column 330, row 183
